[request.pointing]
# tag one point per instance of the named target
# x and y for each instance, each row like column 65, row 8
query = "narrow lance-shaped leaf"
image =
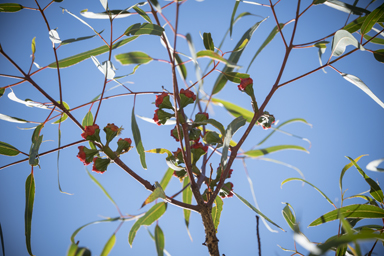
column 8, row 150
column 29, row 200
column 255, row 210
column 234, row 58
column 58, row 164
column 322, row 46
column 233, row 16
column 360, row 84
column 82, row 21
column 156, row 5
column 181, row 67
column 67, row 62
column 10, row 7
column 371, row 19
column 213, row 55
column 289, row 216
column 216, row 211
column 166, row 178
column 133, row 58
column 193, row 56
column 72, row 249
column 379, row 55
column 36, row 142
column 157, row 193
column 208, row 42
column 351, row 211
column 137, row 139
column 88, row 119
column 269, row 150
column 144, row 29
column 374, row 40
column 159, row 240
column 109, row 245
column 187, row 198
column 12, row 96
column 341, row 40
column 375, row 191
column 12, row 119
column 142, row 14
column 72, row 40
column 321, row 192
column 94, row 222
column 344, row 7
column 234, row 110
column 373, row 165
column 346, row 167
column 235, row 76
column 63, row 115
column 232, row 128
column 269, row 38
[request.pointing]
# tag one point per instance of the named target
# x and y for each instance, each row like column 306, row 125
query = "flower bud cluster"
column 266, row 120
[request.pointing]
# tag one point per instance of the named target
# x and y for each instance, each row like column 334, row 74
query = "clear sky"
column 345, row 122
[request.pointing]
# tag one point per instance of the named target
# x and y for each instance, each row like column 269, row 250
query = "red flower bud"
column 82, row 156
column 94, row 166
column 159, row 98
column 112, row 126
column 200, row 145
column 244, row 83
column 230, row 173
column 89, row 131
column 188, row 93
column 156, row 118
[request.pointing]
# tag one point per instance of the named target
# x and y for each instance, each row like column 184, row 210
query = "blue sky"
column 345, row 122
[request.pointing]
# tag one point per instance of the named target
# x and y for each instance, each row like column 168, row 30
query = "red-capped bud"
column 244, row 83
column 82, row 156
column 91, row 132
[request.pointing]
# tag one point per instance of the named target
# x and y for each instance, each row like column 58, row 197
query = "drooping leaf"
column 289, row 216
column 269, row 150
column 149, row 217
column 156, row 5
column 371, row 19
column 142, row 14
column 137, row 139
column 346, row 167
column 29, row 200
column 8, row 150
column 12, row 96
column 160, row 151
column 234, row 110
column 104, row 3
column 214, row 123
column 375, row 189
column 341, row 40
column 36, row 142
column 107, row 67
column 157, row 193
column 208, row 42
column 166, row 178
column 269, row 38
column 232, row 128
column 96, row 222
column 63, row 116
column 233, row 16
column 67, row 62
column 194, row 59
column 344, row 7
column 351, row 211
column 88, row 119
column 181, row 67
column 72, row 249
column 109, row 245
column 144, row 29
column 379, row 55
column 374, row 40
column 322, row 46
column 159, row 240
column 321, row 192
column 214, row 56
column 373, row 165
column 10, row 7
column 234, row 58
column 360, row 84
column 255, row 210
column 187, row 198
column 216, row 211
column 72, row 40
column 81, row 20
column 133, row 58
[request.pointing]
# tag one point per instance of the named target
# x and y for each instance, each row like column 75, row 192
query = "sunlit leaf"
column 354, row 25
column 29, row 200
column 321, row 192
column 194, row 59
column 166, row 178
column 104, row 3
column 133, row 58
column 10, row 7
column 255, row 210
column 269, row 150
column 109, row 245
column 72, row 249
column 54, row 36
column 213, row 55
column 322, row 46
column 156, row 4
column 142, row 14
column 346, row 167
column 36, row 142
column 63, row 116
column 374, row 40
column 8, row 150
column 284, row 249
column 304, row 242
column 373, row 165
column 232, row 128
column 67, row 62
column 344, row 7
column 234, row 110
column 187, row 198
column 216, row 211
column 12, row 119
column 137, row 139
column 341, row 40
column 157, row 193
column 233, row 16
column 96, row 222
column 351, row 211
column 160, row 151
column 159, row 240
column 28, row 103
column 234, row 58
column 360, row 84
column 289, row 216
column 144, row 29
column 371, row 19
column 375, row 190
column 72, row 40
column 88, row 119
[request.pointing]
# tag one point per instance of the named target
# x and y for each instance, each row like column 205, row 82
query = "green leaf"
column 232, row 128
column 181, row 67
column 63, row 116
column 149, row 217
column 321, row 192
column 214, row 56
column 133, row 58
column 232, row 17
column 166, row 178
column 72, row 40
column 187, row 198
column 354, row 25
column 160, row 151
column 72, row 249
column 235, row 76
column 375, row 191
column 373, row 165
column 70, row 61
column 36, row 142
column 193, row 56
column 95, row 222
column 208, row 42
column 346, row 167
column 144, row 29
column 159, row 240
column 8, row 150
column 379, row 55
column 2, row 90
column 269, row 150
column 234, row 58
column 345, row 239
column 88, row 119
column 137, row 139
column 10, row 7
column 269, row 38
column 214, row 123
column 347, row 8
column 83, row 251
column 109, row 245
column 142, row 14
column 360, row 84
column 289, row 216
column 156, row 4
column 293, row 120
column 234, row 110
column 29, row 200
column 341, row 40
column 255, row 210
column 374, row 40
column 157, row 193
column 351, row 211
column 371, row 19
column 33, row 46
column 12, row 119
column 216, row 211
